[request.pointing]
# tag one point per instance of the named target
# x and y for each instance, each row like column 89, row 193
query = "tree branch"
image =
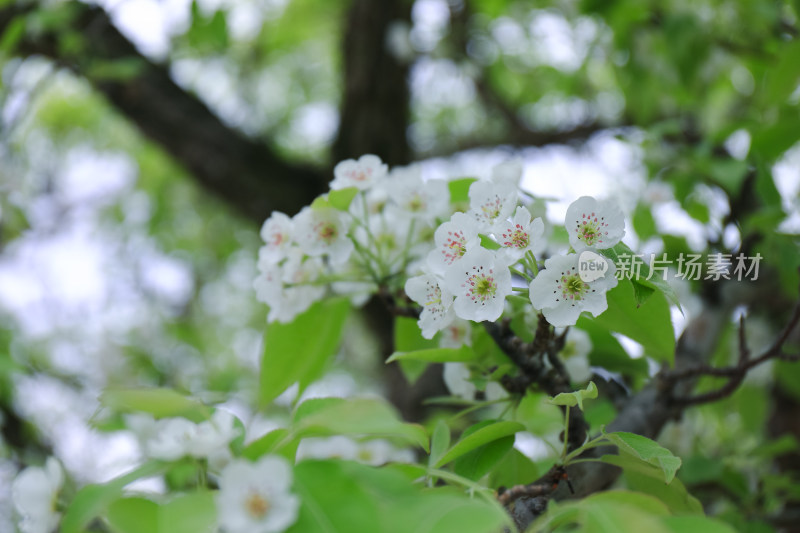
column 374, row 110
column 245, row 173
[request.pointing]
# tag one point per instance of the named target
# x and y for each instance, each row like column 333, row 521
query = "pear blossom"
column 457, row 379
column 377, row 452
column 436, row 301
column 34, row 492
column 451, row 241
column 457, row 334
column 425, row 200
column 480, row 282
column 577, row 347
column 363, row 174
column 288, row 288
column 561, row 295
column 594, row 224
column 277, row 234
column 323, row 231
column 171, row 439
column 336, row 447
column 213, row 435
column 256, row 497
column 520, row 235
column 491, row 203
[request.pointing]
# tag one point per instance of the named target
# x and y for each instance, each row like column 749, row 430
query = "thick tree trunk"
column 375, row 106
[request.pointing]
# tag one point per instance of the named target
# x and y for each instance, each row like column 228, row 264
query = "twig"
column 735, row 374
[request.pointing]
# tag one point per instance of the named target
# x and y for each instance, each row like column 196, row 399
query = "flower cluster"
column 378, row 227
column 371, row 227
column 169, row 439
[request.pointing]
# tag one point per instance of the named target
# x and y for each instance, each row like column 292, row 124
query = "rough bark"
column 375, row 104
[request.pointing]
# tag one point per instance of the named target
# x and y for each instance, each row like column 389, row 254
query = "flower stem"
column 566, row 434
column 521, row 274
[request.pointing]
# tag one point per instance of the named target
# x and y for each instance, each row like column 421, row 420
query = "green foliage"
column 160, row 403
column 571, row 399
column 648, row 324
column 298, row 352
column 187, row 513
column 336, row 416
column 93, row 500
column 486, row 432
column 644, row 449
column 343, row 496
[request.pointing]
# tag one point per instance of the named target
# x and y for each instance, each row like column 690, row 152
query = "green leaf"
column 440, row 441
column 298, row 351
column 408, row 338
column 645, row 477
column 341, row 496
column 482, row 436
column 488, row 243
column 656, row 281
column 12, row 34
column 649, row 324
column 435, row 355
column 276, row 441
column 575, row 398
column 607, row 512
column 459, row 190
column 647, row 450
column 92, row 500
column 160, row 403
column 342, row 198
column 187, row 513
column 643, row 222
column 133, row 515
column 696, row 524
column 477, row 463
column 514, row 469
column 355, row 416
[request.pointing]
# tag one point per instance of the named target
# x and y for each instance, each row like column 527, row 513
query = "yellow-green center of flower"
column 573, row 287
column 257, row 506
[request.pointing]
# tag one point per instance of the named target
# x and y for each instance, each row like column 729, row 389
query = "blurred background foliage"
column 120, row 264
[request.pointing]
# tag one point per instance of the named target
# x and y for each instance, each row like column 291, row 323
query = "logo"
column 591, row 266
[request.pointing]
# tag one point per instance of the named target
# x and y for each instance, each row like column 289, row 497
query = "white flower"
column 451, row 241
column 560, row 293
column 520, row 235
column 212, row 436
column 323, row 231
column 436, row 301
column 171, row 439
column 378, row 452
column 424, row 200
column 456, row 377
column 336, row 447
column 34, row 492
column 288, row 288
column 277, row 233
column 593, row 224
column 255, row 497
column 491, row 203
column 457, row 334
column 480, row 283
column 362, row 174
column 508, row 172
column 577, row 347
